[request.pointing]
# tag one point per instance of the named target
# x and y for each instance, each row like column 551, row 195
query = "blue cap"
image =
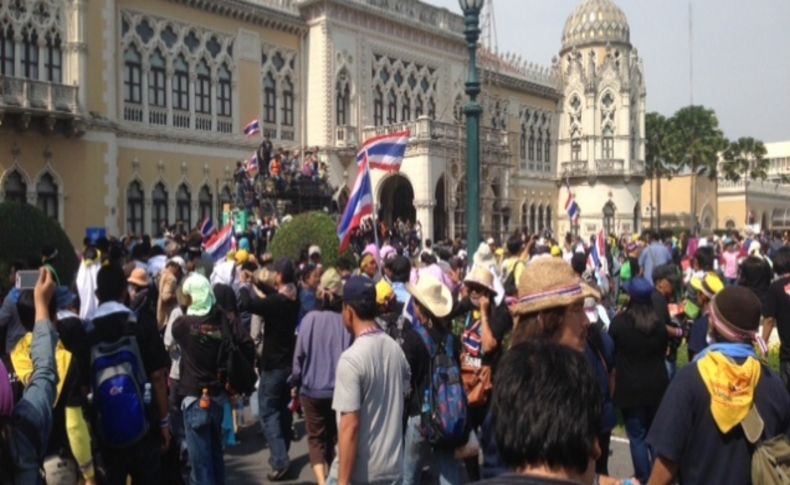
column 359, row 288
column 639, row 289
column 244, row 243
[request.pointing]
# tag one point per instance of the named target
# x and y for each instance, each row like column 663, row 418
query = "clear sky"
column 741, row 54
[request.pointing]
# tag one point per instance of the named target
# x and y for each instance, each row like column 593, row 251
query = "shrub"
column 302, row 231
column 25, row 231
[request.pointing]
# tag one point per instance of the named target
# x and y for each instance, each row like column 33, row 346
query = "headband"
column 563, row 291
column 733, row 333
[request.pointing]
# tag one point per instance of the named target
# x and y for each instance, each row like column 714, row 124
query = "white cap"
column 490, row 240
column 179, row 261
column 314, row 249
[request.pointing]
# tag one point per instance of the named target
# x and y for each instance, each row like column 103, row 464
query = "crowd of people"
column 411, row 361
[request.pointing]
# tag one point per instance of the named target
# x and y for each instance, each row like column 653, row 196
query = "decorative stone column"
column 424, row 209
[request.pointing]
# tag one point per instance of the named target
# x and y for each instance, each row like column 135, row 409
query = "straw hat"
column 549, row 283
column 433, row 295
column 482, row 277
column 139, row 277
column 331, row 281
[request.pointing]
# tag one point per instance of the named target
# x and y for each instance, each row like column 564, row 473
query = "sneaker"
column 277, row 475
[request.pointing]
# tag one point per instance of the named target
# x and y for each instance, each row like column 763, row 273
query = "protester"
column 706, row 288
column 640, row 341
column 654, row 255
column 372, row 381
column 700, row 431
column 279, row 308
column 776, row 311
column 321, row 340
column 168, row 282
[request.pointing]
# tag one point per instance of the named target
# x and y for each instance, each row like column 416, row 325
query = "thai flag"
column 220, row 243
column 252, row 128
column 360, row 205
column 206, row 228
column 384, row 152
column 253, row 165
column 571, row 207
column 597, row 258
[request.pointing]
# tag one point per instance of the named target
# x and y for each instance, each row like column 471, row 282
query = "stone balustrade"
column 37, row 96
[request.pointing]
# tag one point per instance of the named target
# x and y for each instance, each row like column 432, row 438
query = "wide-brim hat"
column 710, row 285
column 432, row 294
column 549, row 283
column 481, row 277
column 139, row 277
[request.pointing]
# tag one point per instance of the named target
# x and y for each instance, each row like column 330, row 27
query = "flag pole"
column 372, row 202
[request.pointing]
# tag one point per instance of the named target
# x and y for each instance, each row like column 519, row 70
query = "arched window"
column 576, row 145
column 47, row 196
column 533, row 219
column 523, row 143
column 225, row 198
column 184, row 206
column 30, row 54
column 156, row 80
column 524, row 217
column 431, row 108
column 607, row 147
column 378, row 107
column 288, row 102
column 539, row 148
column 15, row 188
column 405, row 108
column 132, row 76
column 548, row 217
column 180, row 84
column 540, row 218
column 418, row 107
column 547, row 151
column 53, row 60
column 203, row 89
column 531, row 144
column 159, row 208
column 392, row 107
column 342, row 99
column 608, row 218
column 7, row 52
column 458, row 109
column 224, row 107
column 205, row 203
column 134, row 208
column 269, row 99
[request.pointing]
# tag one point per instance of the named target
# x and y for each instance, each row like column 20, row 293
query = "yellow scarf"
column 23, row 363
column 731, row 387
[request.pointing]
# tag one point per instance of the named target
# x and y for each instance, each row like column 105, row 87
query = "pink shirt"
column 730, row 264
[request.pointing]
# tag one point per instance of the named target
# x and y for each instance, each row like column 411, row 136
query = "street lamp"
column 471, row 9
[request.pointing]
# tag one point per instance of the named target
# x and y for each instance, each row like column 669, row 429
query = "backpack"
column 510, row 284
column 770, row 457
column 237, row 359
column 444, row 406
column 117, row 383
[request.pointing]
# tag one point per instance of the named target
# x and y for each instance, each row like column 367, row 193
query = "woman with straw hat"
column 432, row 302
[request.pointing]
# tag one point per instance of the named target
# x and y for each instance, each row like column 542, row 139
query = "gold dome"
column 595, row 21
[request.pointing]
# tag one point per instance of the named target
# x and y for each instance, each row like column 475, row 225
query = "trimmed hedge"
column 24, row 231
column 304, row 230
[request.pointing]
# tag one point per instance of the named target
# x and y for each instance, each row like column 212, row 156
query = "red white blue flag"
column 571, row 207
column 252, row 165
column 384, row 152
column 220, row 243
column 359, row 206
column 206, row 228
column 597, row 258
column 252, row 128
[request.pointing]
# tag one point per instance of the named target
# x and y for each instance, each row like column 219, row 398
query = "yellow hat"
column 383, row 292
column 556, row 251
column 710, row 285
column 241, row 256
column 366, row 259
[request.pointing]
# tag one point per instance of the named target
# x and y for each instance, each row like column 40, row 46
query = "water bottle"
column 147, row 393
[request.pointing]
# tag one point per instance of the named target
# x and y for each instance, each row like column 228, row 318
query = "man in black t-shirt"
column 776, row 310
column 699, row 436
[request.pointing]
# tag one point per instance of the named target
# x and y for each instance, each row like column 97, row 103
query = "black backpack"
column 237, row 357
column 510, row 284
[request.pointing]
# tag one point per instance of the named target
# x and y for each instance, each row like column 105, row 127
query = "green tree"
column 656, row 151
column 745, row 157
column 303, row 230
column 694, row 142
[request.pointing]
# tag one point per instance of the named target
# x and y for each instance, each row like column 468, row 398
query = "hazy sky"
column 741, row 54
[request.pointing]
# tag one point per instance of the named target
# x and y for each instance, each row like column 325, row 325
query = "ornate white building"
column 601, row 139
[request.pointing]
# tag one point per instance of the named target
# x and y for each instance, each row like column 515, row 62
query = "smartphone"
column 27, row 279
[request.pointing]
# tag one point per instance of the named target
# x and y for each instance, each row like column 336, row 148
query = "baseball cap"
column 314, row 249
column 359, row 288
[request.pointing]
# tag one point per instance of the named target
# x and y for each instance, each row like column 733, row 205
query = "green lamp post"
column 471, row 9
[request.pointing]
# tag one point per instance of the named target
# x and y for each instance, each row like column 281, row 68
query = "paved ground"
column 247, row 463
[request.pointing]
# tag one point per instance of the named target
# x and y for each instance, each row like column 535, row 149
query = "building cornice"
column 530, row 87
column 258, row 13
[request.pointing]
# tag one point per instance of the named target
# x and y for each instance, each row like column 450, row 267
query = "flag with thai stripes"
column 220, row 243
column 597, row 258
column 206, row 228
column 384, row 152
column 252, row 128
column 359, row 206
column 571, row 207
column 252, row 165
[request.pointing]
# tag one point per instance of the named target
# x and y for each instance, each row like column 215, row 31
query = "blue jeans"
column 416, row 450
column 203, row 432
column 273, row 397
column 637, row 424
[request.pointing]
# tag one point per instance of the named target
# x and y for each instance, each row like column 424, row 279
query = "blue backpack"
column 444, row 406
column 118, row 382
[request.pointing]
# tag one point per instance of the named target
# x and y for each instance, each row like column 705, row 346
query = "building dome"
column 595, row 21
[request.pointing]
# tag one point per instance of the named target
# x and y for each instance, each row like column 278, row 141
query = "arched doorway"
column 440, row 211
column 396, row 200
column 608, row 218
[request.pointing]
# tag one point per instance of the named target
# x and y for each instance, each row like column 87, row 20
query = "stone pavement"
column 247, row 462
